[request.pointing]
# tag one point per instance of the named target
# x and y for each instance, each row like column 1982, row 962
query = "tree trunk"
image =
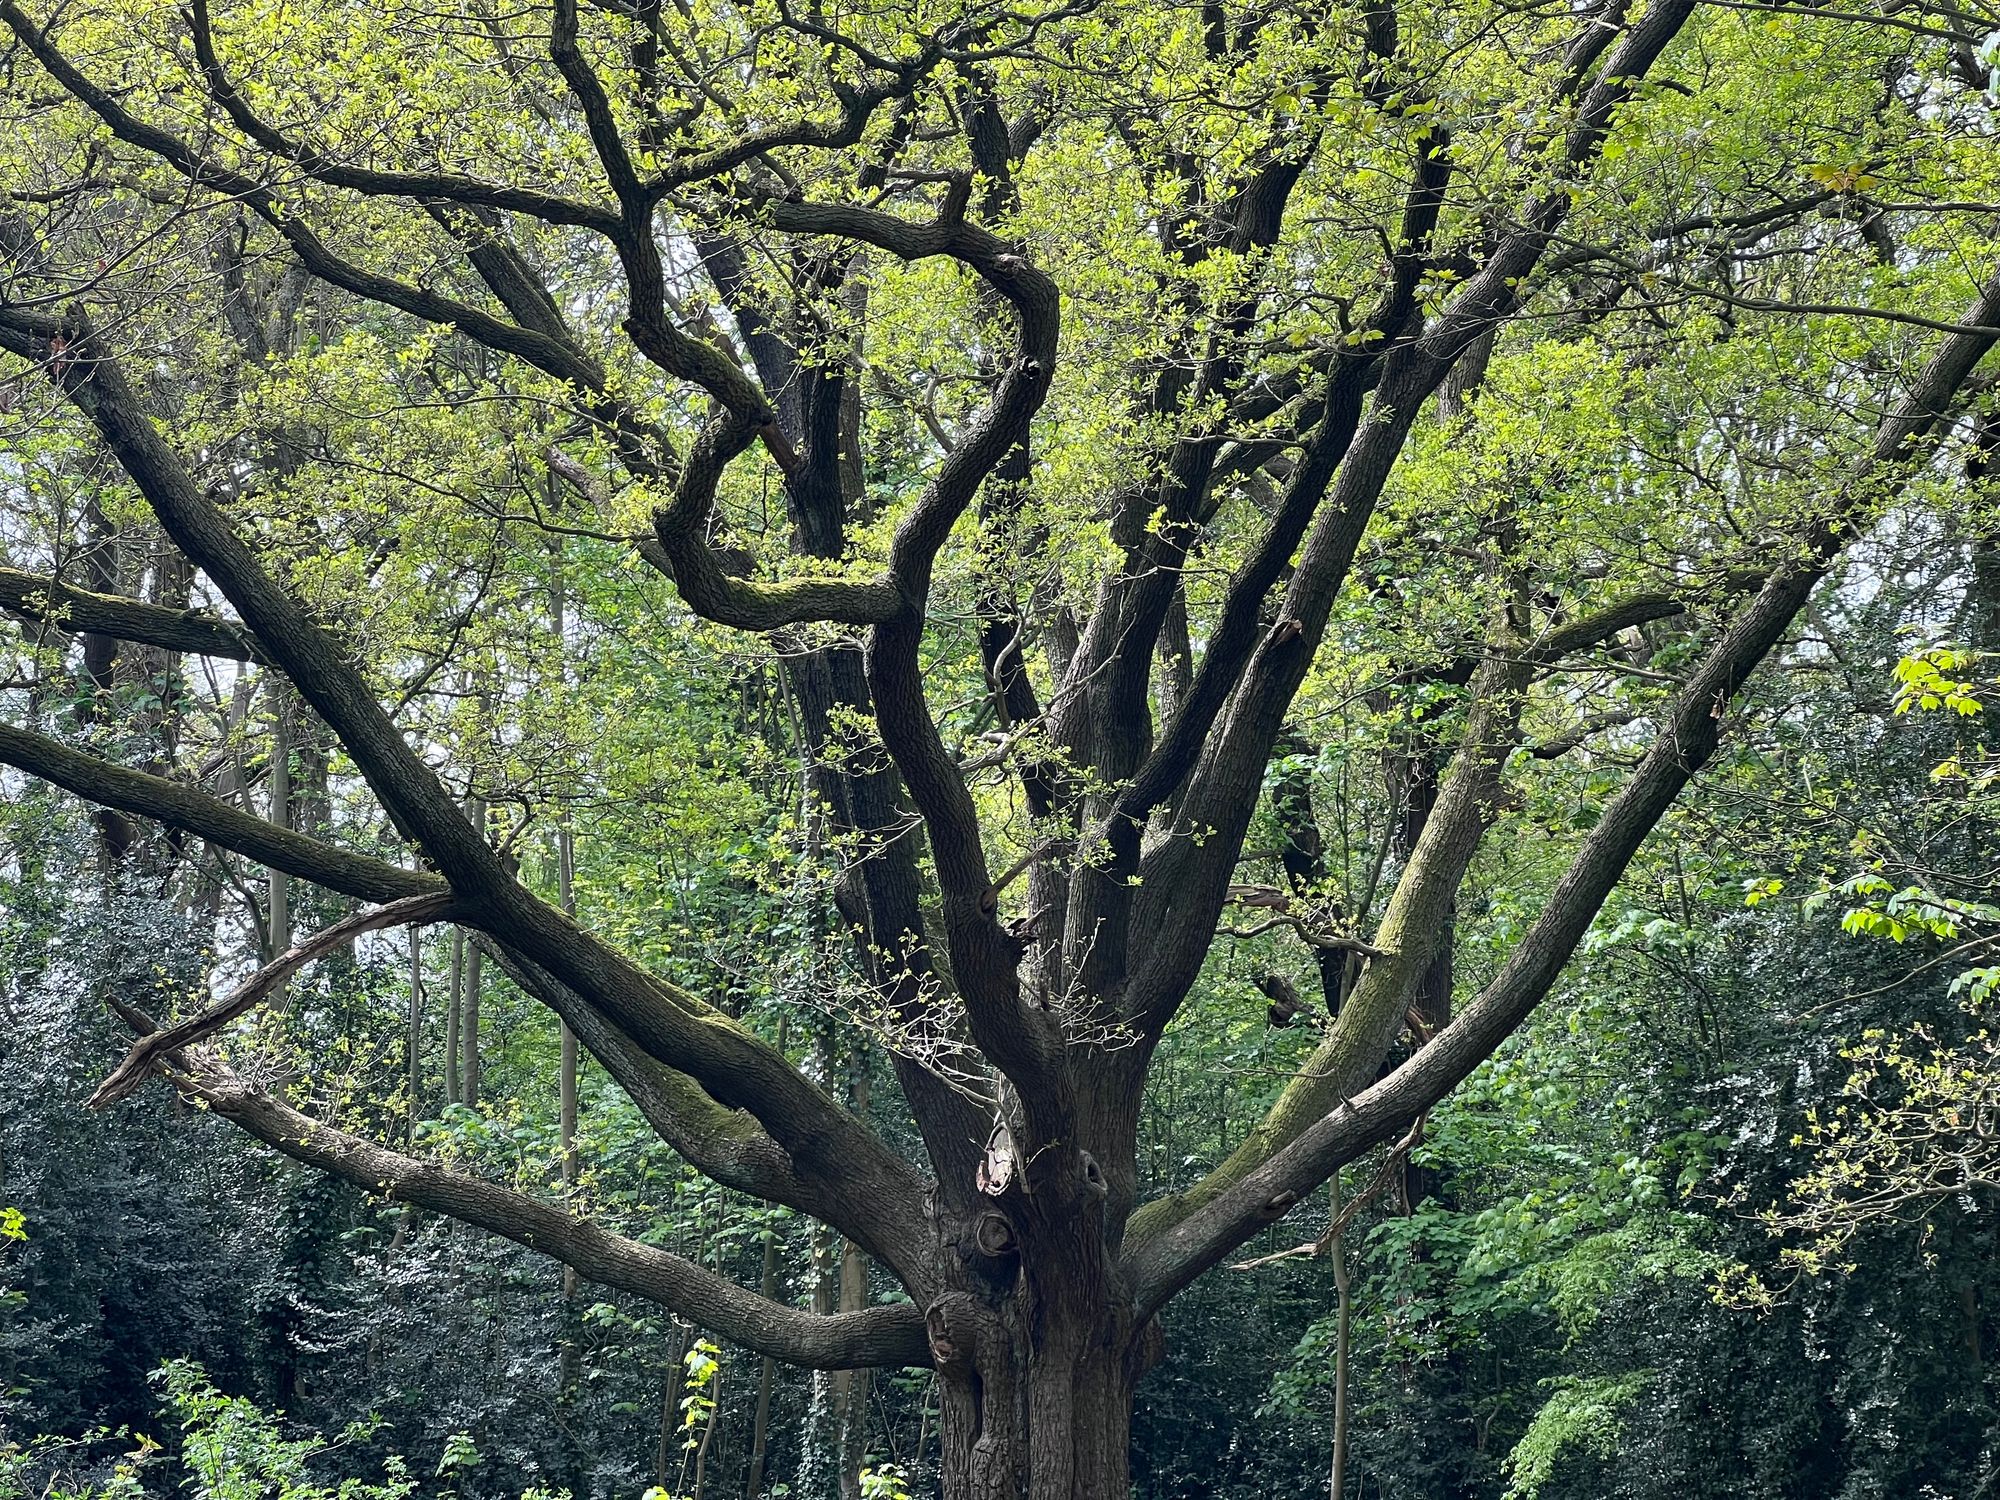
column 1037, row 1346
column 1042, row 1416
column 569, row 1359
column 453, row 1013
column 468, row 1042
column 414, row 1046
column 760, row 1422
column 851, row 1386
column 278, row 784
column 671, row 1388
column 100, row 673
column 1343, row 1287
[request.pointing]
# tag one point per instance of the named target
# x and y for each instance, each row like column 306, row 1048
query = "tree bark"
column 1343, row 1291
column 569, row 1361
column 760, row 1421
column 1034, row 1304
column 1033, row 1411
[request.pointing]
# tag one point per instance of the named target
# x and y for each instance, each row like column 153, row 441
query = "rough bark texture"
column 1022, row 1018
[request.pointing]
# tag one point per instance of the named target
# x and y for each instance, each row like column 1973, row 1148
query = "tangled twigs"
column 131, row 1072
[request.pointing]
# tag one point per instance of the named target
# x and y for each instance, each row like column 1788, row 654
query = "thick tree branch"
column 719, row 1140
column 735, row 1067
column 50, row 601
column 1408, row 937
column 680, row 549
column 177, row 806
column 449, row 186
column 1173, row 1246
column 725, row 1145
column 1184, row 882
column 1108, row 701
column 722, row 1142
column 1023, row 1041
column 881, row 1336
column 679, row 527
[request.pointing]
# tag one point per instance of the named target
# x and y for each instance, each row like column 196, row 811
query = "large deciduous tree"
column 1053, row 391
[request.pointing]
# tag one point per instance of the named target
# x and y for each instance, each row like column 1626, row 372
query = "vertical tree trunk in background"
column 834, row 1440
column 1343, row 1330
column 673, row 1383
column 1413, row 781
column 851, row 1386
column 1303, row 855
column 469, row 1037
column 566, row 900
column 707, row 1436
column 414, row 1042
column 569, row 1364
column 821, row 1438
column 565, row 887
column 278, row 790
column 760, row 1420
column 308, row 906
column 169, row 585
column 468, row 1042
column 231, row 786
column 100, row 667
column 454, row 1011
column 566, row 1079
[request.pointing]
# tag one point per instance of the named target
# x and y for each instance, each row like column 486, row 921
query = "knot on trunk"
column 960, row 1328
column 993, row 1235
column 1094, row 1181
